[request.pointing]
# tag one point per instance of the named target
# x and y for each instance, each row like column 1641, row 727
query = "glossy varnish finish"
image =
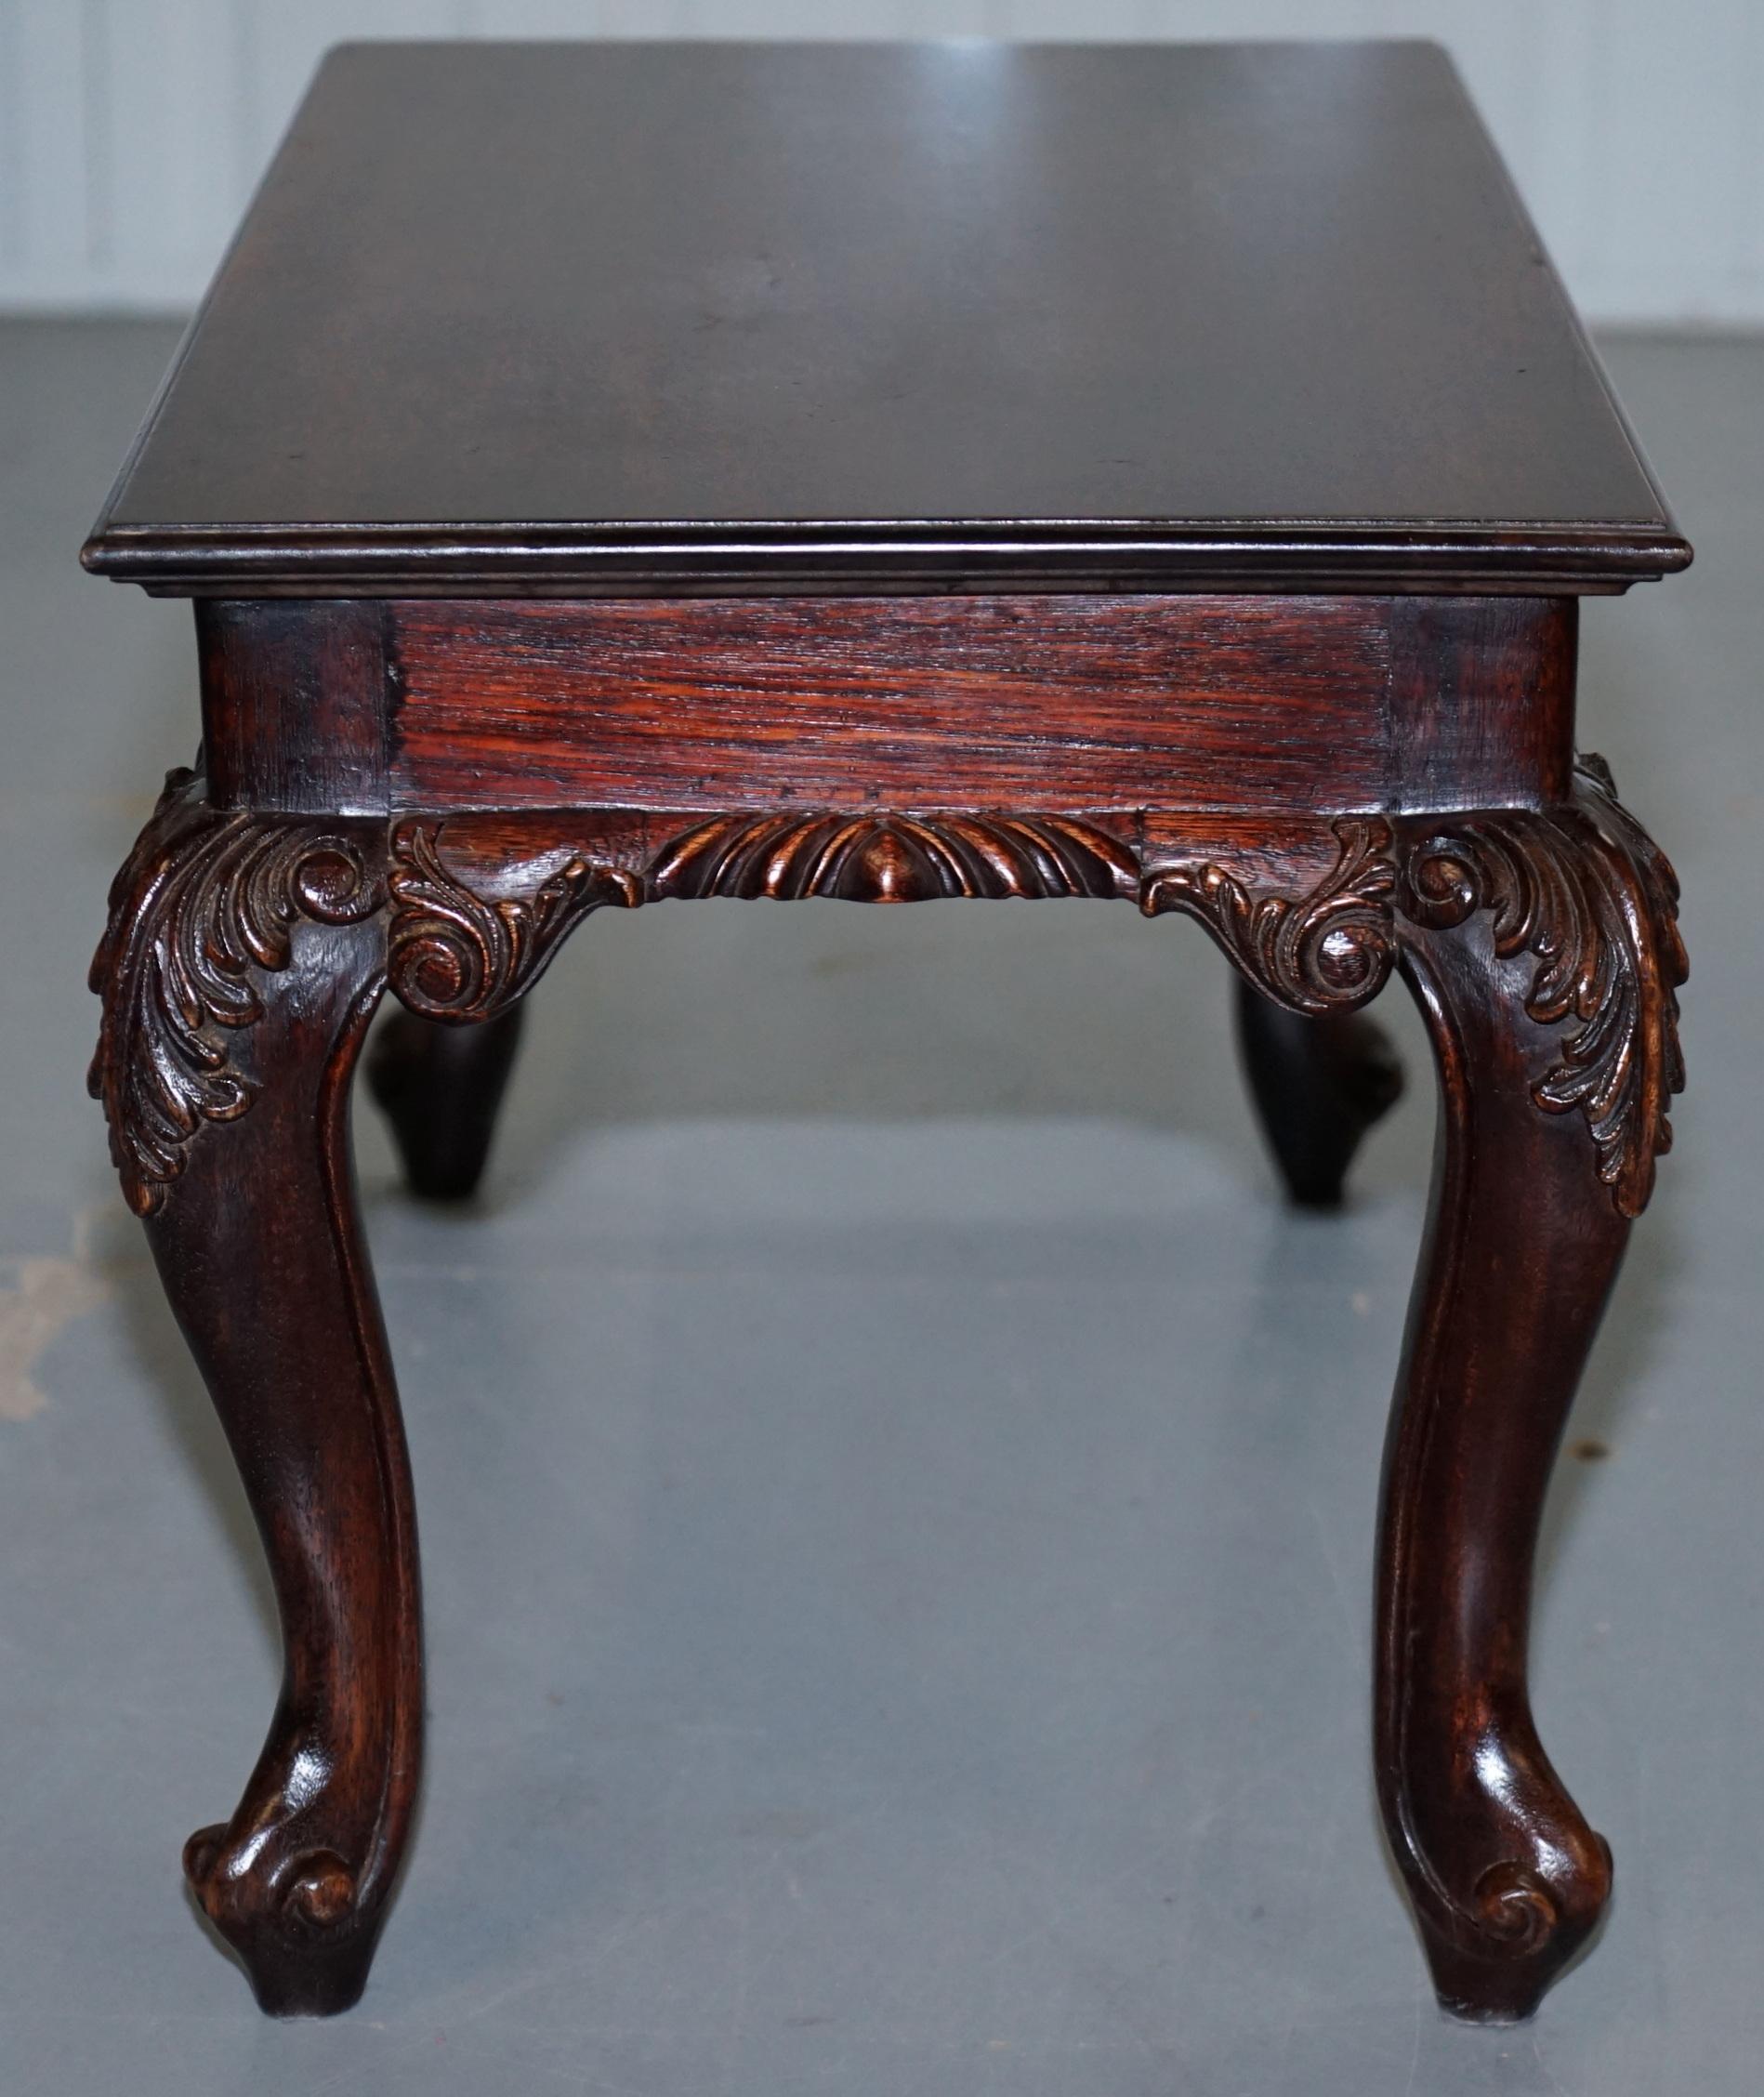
column 246, row 949
column 721, row 317
column 264, row 1266
column 1067, row 701
column 1281, row 304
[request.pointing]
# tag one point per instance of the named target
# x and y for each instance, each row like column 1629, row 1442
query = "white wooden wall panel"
column 189, row 131
column 43, row 106
column 132, row 130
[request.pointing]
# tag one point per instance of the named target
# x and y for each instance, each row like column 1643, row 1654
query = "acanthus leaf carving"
column 1321, row 952
column 453, row 953
column 1588, row 895
column 207, row 898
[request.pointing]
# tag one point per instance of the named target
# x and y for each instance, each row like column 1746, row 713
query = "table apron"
column 1232, row 703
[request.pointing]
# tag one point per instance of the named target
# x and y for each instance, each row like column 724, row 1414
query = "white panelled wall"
column 132, row 130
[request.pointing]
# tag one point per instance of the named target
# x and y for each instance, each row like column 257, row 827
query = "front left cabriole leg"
column 244, row 956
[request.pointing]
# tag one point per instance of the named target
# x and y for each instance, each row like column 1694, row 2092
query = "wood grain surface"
column 654, row 318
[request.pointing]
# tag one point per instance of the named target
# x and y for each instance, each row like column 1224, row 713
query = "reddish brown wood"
column 1045, row 701
column 1088, row 473
column 245, row 953
column 243, row 959
column 1505, row 1876
column 295, row 699
column 1482, row 706
column 1056, row 702
column 357, row 705
column 1511, row 925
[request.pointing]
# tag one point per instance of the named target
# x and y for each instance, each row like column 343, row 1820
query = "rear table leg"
column 440, row 1086
column 1319, row 1084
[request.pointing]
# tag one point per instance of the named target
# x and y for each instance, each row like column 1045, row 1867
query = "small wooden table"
column 606, row 473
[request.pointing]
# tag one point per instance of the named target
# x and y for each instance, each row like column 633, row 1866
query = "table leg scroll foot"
column 243, row 960
column 1543, row 950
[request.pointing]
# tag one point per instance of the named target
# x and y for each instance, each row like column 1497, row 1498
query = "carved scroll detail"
column 888, row 858
column 453, row 955
column 204, row 898
column 1515, row 1907
column 456, row 955
column 1327, row 949
column 1512, row 1910
column 1590, row 895
column 207, row 897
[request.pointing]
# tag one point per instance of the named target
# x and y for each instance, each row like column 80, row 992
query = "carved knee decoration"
column 1543, row 952
column 244, row 956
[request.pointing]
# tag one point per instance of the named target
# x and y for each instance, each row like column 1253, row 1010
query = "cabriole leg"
column 243, row 960
column 1543, row 952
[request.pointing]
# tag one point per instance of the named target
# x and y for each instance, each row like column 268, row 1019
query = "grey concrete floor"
column 897, row 1489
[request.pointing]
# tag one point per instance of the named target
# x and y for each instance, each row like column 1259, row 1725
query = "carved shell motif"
column 206, row 897
column 456, row 955
column 203, row 899
column 1587, row 893
column 894, row 858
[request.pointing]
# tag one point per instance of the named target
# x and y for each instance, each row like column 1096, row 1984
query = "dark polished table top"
column 668, row 317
